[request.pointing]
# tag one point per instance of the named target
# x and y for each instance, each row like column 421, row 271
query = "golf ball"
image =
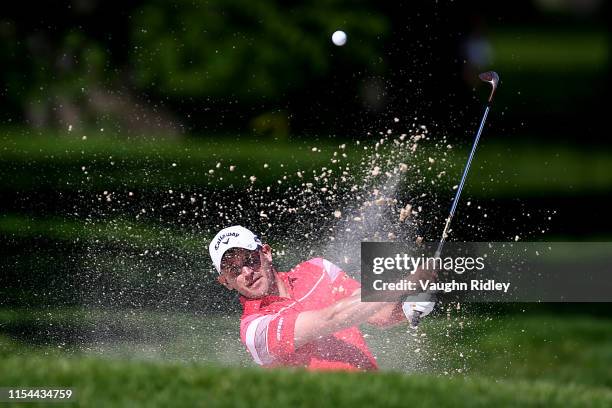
column 339, row 38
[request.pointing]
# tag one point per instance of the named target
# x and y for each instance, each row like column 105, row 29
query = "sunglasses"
column 251, row 260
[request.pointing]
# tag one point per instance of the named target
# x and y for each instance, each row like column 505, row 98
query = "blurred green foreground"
column 515, row 360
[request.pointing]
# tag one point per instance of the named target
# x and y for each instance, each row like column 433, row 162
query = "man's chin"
column 253, row 295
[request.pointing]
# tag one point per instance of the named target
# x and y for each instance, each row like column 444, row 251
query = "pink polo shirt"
column 267, row 324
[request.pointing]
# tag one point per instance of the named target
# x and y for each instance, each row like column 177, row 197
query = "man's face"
column 248, row 272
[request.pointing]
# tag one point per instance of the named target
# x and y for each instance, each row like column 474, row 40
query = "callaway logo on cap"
column 231, row 237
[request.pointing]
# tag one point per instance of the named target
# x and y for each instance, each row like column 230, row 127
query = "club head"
column 492, row 78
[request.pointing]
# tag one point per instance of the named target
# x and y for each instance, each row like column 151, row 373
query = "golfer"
column 307, row 317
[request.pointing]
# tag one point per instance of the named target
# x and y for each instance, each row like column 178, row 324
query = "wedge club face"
column 492, row 78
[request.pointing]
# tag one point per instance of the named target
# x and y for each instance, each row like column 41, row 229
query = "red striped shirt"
column 267, row 324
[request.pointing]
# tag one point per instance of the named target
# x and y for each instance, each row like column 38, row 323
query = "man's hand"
column 422, row 309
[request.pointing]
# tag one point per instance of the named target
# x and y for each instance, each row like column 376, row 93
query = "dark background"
column 181, row 74
column 411, row 57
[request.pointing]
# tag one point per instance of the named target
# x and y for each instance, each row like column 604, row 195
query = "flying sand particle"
column 405, row 213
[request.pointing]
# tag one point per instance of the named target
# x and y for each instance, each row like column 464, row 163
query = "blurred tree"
column 49, row 80
column 246, row 50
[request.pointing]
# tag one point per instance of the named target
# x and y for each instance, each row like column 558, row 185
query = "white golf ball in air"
column 339, row 38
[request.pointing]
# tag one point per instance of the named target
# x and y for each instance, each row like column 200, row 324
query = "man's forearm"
column 390, row 315
column 345, row 313
column 352, row 311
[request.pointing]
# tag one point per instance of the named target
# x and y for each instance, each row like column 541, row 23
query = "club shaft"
column 493, row 78
column 466, row 169
column 417, row 315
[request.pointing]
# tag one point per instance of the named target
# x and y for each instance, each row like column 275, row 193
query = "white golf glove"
column 424, row 308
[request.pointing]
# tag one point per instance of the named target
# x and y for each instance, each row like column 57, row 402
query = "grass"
column 563, row 349
column 533, row 62
column 533, row 345
column 551, row 51
column 525, row 359
column 136, row 235
column 134, row 384
column 55, row 161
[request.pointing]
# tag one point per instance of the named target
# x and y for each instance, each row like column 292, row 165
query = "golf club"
column 492, row 78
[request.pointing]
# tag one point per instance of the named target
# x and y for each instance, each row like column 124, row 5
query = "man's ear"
column 267, row 251
column 223, row 280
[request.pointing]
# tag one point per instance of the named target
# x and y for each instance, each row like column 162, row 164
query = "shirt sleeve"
column 342, row 284
column 269, row 333
column 345, row 285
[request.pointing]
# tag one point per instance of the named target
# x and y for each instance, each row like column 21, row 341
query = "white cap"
column 228, row 238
